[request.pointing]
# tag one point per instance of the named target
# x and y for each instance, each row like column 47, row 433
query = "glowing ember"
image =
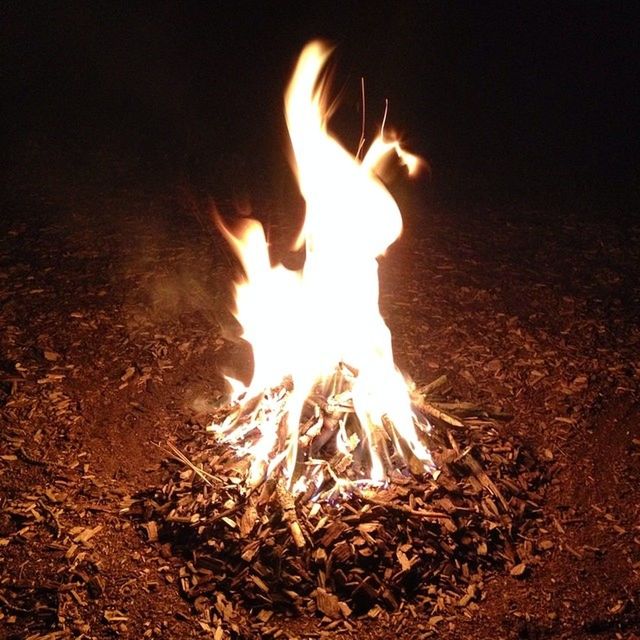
column 326, row 404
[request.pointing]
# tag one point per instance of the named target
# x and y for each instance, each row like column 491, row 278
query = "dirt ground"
column 113, row 334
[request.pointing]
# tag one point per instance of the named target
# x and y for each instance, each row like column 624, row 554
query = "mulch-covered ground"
column 113, row 332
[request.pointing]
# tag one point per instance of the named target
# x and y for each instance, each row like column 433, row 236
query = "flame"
column 321, row 325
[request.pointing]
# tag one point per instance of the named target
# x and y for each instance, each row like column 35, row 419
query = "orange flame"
column 350, row 221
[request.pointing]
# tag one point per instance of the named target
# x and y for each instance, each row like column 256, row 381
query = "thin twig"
column 178, row 455
column 56, row 524
column 364, row 117
column 13, row 607
column 30, row 459
column 384, row 117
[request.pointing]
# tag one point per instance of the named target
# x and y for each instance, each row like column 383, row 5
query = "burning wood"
column 431, row 540
column 332, row 452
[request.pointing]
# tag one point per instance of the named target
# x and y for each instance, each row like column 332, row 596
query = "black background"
column 509, row 99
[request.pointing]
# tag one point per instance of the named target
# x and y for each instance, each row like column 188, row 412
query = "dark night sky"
column 494, row 94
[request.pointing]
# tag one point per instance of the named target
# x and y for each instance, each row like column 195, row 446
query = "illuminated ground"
column 112, row 298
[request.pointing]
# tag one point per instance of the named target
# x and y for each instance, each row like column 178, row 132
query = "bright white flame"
column 303, row 324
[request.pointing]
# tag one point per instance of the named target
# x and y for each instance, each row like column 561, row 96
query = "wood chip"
column 328, row 603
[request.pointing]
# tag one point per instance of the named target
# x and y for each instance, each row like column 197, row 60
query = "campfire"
column 330, row 484
column 327, row 409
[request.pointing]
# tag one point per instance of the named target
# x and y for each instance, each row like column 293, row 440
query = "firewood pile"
column 430, row 542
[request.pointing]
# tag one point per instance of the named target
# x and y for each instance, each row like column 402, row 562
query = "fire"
column 326, row 399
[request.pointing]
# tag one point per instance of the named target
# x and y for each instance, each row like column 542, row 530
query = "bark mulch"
column 113, row 335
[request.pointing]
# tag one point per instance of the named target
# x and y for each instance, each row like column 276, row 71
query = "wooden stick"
column 469, row 409
column 484, row 479
column 426, row 389
column 415, row 466
column 427, row 407
column 400, row 507
column 288, row 506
